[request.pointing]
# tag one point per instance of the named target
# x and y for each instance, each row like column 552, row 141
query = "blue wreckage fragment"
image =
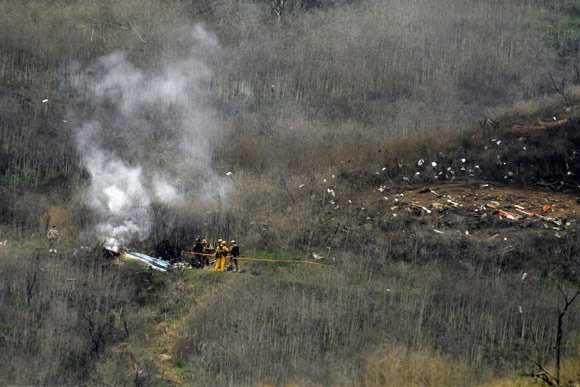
column 155, row 263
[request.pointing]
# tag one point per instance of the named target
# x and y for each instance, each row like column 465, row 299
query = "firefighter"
column 219, row 257
column 52, row 237
column 204, row 259
column 197, row 261
column 210, row 251
column 235, row 252
column 226, row 255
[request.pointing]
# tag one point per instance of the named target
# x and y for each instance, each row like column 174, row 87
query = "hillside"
column 403, row 179
column 421, row 272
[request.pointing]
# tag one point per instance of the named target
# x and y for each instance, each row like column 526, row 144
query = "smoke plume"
column 147, row 136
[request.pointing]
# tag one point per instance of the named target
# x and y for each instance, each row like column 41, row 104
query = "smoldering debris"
column 147, row 136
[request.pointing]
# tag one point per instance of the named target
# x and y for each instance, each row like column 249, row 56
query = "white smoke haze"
column 148, row 137
column 164, row 190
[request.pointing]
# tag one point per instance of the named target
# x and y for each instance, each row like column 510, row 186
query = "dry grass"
column 399, row 366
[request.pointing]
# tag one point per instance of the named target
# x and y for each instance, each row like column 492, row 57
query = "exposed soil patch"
column 477, row 205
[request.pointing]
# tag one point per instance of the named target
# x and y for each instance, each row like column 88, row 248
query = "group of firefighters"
column 224, row 255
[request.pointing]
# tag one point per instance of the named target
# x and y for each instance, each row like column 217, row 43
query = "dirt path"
column 166, row 330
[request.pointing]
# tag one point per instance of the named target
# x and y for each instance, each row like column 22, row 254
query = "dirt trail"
column 166, row 330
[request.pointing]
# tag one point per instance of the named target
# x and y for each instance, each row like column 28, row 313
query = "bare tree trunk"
column 278, row 6
column 559, row 332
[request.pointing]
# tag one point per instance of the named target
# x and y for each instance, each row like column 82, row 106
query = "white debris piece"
column 330, row 191
column 324, row 181
column 228, row 173
column 520, row 309
column 437, row 231
column 316, row 256
column 433, row 164
column 498, row 142
column 386, row 198
column 301, row 185
column 44, row 100
column 524, row 276
column 384, row 169
column 462, row 160
column 381, row 189
column 349, row 201
column 417, row 173
column 333, row 176
column 420, row 162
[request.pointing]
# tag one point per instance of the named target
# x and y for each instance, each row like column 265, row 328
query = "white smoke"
column 147, row 137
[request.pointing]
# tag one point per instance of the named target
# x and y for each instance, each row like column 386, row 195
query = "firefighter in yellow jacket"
column 226, row 254
column 220, row 260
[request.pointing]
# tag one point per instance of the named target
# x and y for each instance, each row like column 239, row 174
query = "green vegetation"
column 319, row 112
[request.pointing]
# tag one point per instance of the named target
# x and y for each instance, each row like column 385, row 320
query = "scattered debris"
column 476, row 203
column 152, row 262
column 317, row 257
